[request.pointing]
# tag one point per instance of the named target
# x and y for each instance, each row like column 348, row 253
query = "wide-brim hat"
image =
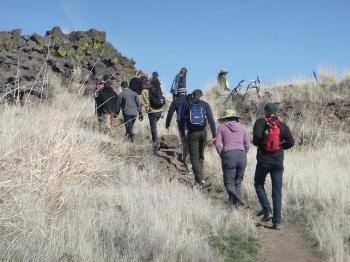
column 228, row 114
column 223, row 71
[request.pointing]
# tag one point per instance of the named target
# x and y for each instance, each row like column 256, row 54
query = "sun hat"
column 271, row 108
column 155, row 74
column 223, row 71
column 229, row 113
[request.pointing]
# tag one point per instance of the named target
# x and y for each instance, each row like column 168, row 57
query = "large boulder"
column 63, row 53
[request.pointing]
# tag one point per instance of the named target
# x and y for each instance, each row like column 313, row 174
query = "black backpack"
column 156, row 98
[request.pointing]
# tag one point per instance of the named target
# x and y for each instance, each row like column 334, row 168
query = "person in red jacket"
column 271, row 136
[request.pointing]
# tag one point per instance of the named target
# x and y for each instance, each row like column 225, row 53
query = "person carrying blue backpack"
column 178, row 105
column 195, row 116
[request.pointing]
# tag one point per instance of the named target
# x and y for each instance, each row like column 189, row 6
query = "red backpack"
column 272, row 142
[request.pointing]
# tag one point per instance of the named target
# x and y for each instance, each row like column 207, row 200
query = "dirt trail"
column 285, row 245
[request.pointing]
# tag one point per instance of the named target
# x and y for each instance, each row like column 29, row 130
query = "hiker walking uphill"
column 130, row 105
column 178, row 105
column 179, row 82
column 106, row 105
column 271, row 136
column 222, row 82
column 232, row 144
column 136, row 83
column 195, row 116
column 153, row 102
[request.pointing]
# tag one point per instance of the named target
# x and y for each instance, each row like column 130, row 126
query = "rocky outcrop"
column 26, row 59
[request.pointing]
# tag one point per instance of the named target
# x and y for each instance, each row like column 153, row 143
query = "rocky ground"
column 26, row 59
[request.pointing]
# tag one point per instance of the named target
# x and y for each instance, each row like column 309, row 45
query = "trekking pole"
column 234, row 90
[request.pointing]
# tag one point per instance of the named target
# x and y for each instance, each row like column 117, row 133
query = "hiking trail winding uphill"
column 284, row 245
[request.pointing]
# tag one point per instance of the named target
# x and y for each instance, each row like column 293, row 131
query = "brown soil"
column 285, row 245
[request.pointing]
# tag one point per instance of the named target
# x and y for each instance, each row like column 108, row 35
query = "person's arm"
column 145, row 100
column 170, row 114
column 258, row 132
column 246, row 140
column 218, row 141
column 138, row 104
column 286, row 137
column 211, row 121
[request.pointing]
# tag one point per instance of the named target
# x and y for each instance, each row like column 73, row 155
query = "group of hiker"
column 193, row 115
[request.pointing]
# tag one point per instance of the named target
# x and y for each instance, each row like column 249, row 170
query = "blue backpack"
column 197, row 119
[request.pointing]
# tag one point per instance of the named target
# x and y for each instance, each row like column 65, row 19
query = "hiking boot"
column 267, row 217
column 260, row 213
column 276, row 226
column 156, row 147
column 201, row 185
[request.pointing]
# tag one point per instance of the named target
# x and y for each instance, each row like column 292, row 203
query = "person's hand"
column 212, row 141
column 141, row 117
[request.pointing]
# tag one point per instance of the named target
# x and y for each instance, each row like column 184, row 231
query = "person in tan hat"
column 232, row 144
column 222, row 82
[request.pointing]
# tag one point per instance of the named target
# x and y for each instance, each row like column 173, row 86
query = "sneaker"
column 267, row 217
column 276, row 226
column 190, row 171
column 204, row 185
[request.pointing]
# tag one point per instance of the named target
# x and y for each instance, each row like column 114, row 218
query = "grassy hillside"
column 69, row 193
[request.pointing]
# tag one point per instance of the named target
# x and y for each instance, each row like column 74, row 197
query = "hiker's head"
column 181, row 91
column 155, row 74
column 197, row 93
column 183, row 71
column 229, row 115
column 189, row 97
column 124, row 85
column 108, row 83
column 270, row 109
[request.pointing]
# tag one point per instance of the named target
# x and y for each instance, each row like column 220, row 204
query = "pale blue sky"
column 274, row 39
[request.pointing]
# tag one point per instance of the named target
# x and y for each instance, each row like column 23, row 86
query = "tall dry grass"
column 69, row 193
column 316, row 177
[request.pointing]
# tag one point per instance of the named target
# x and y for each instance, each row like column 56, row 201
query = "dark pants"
column 153, row 119
column 233, row 164
column 276, row 173
column 129, row 122
column 196, row 143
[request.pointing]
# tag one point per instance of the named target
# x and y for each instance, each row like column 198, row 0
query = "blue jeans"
column 276, row 173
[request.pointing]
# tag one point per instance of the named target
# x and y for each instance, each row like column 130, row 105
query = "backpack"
column 196, row 117
column 175, row 86
column 156, row 98
column 272, row 133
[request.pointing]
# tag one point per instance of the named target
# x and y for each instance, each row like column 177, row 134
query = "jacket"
column 287, row 141
column 129, row 102
column 136, row 85
column 174, row 107
column 146, row 103
column 185, row 118
column 107, row 101
column 231, row 135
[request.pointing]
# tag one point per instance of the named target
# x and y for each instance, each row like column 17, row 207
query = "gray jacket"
column 129, row 102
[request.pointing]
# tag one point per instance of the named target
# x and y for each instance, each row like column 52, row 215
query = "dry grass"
column 67, row 193
column 316, row 178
